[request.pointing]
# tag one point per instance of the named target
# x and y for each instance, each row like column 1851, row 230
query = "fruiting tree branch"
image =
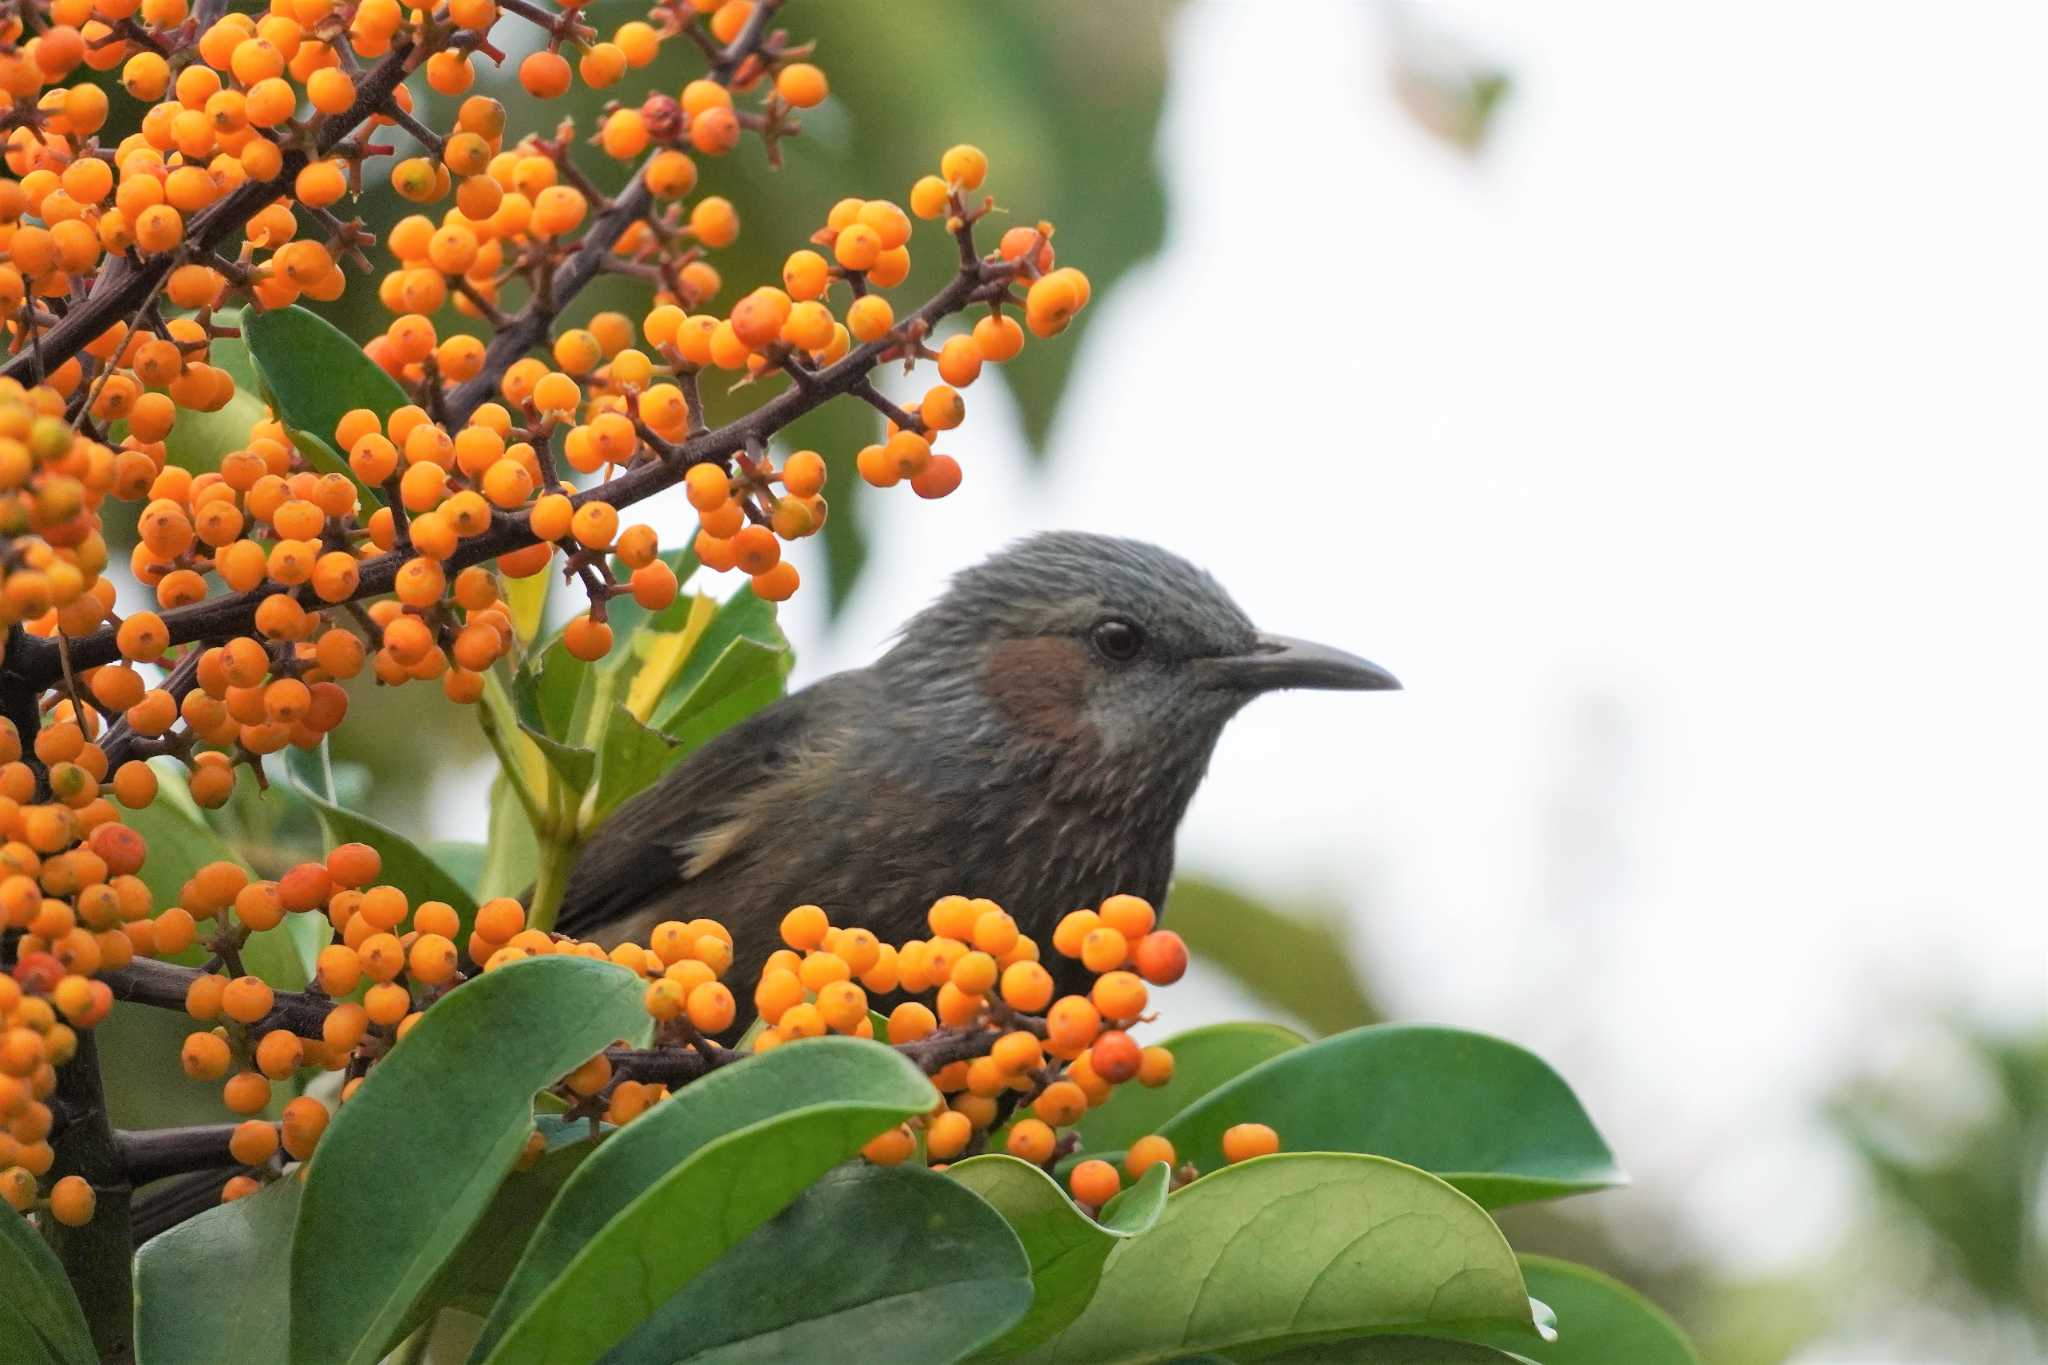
column 34, row 661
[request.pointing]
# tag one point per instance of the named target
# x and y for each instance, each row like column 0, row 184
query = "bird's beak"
column 1277, row 661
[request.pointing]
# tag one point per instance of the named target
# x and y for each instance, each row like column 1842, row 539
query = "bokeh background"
column 1656, row 390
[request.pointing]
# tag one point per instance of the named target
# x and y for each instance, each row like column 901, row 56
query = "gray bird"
column 1034, row 736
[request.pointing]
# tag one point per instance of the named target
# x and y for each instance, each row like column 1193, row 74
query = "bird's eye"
column 1117, row 639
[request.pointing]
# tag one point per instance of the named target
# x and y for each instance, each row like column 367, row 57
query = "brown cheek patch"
column 1039, row 686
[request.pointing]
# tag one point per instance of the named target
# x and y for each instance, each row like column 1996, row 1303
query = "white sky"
column 1683, row 456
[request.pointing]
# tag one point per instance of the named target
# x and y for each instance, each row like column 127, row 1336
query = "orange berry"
column 303, row 1121
column 1161, row 957
column 1146, row 1153
column 1131, row 916
column 1104, row 949
column 72, row 1201
column 545, row 75
column 911, row 1021
column 1032, row 1141
column 948, row 1135
column 892, row 1147
column 246, row 1092
column 1114, row 1057
column 1243, row 1141
column 247, row 999
column 1072, row 1023
column 1060, row 1103
column 802, row 84
column 965, row 166
column 1094, row 1182
column 1119, row 995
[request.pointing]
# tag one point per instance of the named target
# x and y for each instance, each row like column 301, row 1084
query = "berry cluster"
column 271, row 578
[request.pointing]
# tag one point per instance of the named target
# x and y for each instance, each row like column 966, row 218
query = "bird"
column 1033, row 736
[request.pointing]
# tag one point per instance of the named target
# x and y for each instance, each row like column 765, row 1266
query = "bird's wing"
column 699, row 815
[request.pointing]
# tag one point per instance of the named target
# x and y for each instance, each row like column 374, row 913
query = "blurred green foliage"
column 1297, row 962
column 1968, row 1180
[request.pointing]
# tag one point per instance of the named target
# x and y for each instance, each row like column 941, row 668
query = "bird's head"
column 1108, row 646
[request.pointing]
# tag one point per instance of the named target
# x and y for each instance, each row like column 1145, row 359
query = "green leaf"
column 549, row 693
column 1481, row 1113
column 871, row 1263
column 1599, row 1319
column 1203, row 1059
column 1299, row 963
column 472, row 1276
column 681, row 1185
column 405, row 864
column 511, row 857
column 242, row 1245
column 632, row 757
column 456, row 1098
column 39, row 1314
column 314, row 372
column 1297, row 1248
column 462, row 860
column 745, row 677
column 741, row 616
column 1066, row 1247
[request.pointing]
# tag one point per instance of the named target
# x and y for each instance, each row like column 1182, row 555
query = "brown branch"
column 159, row 1152
column 98, row 1256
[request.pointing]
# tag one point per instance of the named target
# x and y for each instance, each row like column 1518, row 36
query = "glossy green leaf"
column 1298, row 962
column 746, row 676
column 871, row 1263
column 1065, row 1246
column 456, row 1096
column 741, row 616
column 1599, row 1320
column 632, row 757
column 1297, row 1248
column 681, row 1185
column 314, row 372
column 39, row 1314
column 474, row 1273
column 553, row 703
column 1203, row 1059
column 242, row 1244
column 405, row 864
column 1481, row 1113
